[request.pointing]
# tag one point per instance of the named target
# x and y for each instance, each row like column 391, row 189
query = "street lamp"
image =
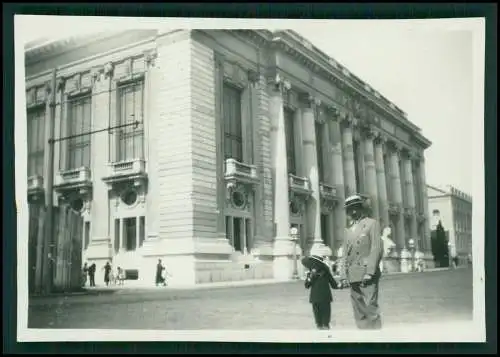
column 294, row 233
column 411, row 244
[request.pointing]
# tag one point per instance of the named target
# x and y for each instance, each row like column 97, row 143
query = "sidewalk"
column 219, row 285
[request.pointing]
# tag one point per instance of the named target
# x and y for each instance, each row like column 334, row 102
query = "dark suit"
column 321, row 297
column 362, row 253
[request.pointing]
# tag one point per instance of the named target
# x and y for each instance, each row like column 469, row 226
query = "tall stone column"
column 100, row 246
column 337, row 173
column 425, row 208
column 348, row 156
column 283, row 246
column 397, row 197
column 381, row 181
column 153, row 163
column 311, row 168
column 410, row 195
column 327, row 176
column 371, row 184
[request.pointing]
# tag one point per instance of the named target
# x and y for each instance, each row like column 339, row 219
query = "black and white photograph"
column 249, row 180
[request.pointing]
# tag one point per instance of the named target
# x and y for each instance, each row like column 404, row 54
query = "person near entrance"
column 360, row 264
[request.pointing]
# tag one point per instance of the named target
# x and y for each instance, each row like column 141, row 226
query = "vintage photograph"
column 244, row 177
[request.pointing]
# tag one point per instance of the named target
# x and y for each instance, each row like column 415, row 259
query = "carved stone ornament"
column 150, row 57
column 279, row 83
column 237, row 195
column 108, row 69
column 95, row 74
column 60, row 83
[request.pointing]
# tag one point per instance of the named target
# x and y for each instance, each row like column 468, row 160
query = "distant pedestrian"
column 107, row 273
column 120, row 275
column 319, row 280
column 92, row 270
column 85, row 271
column 160, row 279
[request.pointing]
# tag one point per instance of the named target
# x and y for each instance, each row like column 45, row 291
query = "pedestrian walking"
column 160, row 280
column 319, row 280
column 107, row 272
column 85, row 271
column 360, row 266
column 92, row 270
column 120, row 274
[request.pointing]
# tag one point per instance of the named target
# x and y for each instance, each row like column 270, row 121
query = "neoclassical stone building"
column 453, row 208
column 241, row 135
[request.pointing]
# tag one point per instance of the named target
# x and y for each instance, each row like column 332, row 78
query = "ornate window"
column 233, row 137
column 79, row 122
column 36, row 140
column 130, row 109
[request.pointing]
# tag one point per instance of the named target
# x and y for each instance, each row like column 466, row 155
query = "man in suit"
column 360, row 264
column 320, row 296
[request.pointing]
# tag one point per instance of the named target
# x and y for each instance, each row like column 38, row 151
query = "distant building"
column 242, row 135
column 454, row 209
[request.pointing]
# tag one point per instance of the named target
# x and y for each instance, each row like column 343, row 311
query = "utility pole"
column 48, row 269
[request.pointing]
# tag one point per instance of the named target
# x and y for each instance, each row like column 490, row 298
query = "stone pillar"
column 100, row 245
column 381, row 181
column 410, row 196
column 425, row 209
column 327, row 176
column 311, row 168
column 337, row 174
column 283, row 247
column 348, row 157
column 371, row 184
column 153, row 162
column 397, row 197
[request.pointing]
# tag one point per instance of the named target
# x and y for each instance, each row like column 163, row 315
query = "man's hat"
column 353, row 200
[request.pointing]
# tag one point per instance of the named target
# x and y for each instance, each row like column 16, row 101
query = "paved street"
column 410, row 298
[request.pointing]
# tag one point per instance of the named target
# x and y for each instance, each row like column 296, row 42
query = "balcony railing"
column 299, row 185
column 35, row 187
column 328, row 192
column 239, row 172
column 79, row 178
column 127, row 170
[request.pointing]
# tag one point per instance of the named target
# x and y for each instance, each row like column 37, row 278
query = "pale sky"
column 425, row 69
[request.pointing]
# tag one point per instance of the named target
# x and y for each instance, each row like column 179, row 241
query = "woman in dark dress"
column 107, row 272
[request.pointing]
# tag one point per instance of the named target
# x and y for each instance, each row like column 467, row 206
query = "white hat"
column 353, row 200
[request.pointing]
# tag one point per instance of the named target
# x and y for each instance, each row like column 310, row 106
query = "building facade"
column 454, row 209
column 212, row 145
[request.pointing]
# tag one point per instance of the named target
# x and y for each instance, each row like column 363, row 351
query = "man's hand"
column 366, row 279
column 343, row 283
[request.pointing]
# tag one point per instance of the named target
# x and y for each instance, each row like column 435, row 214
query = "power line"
column 135, row 123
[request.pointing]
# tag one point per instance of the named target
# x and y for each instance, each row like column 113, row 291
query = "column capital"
column 368, row 132
column 279, row 83
column 310, row 101
column 332, row 111
column 348, row 120
column 150, row 57
column 394, row 146
column 380, row 138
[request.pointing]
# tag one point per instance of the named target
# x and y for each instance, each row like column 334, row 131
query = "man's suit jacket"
column 362, row 250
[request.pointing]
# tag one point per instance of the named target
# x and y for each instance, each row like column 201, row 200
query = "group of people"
column 359, row 268
column 110, row 277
